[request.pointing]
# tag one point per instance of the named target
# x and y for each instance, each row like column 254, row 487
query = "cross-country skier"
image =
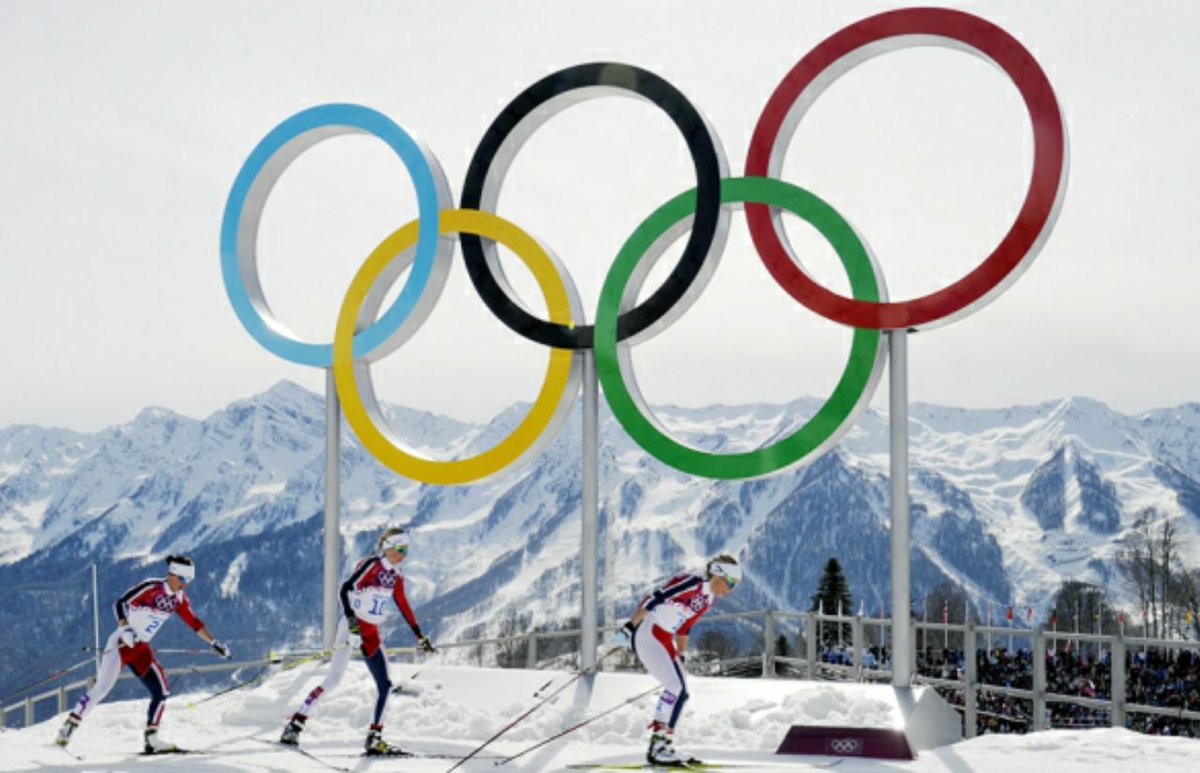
column 141, row 611
column 375, row 582
column 658, row 633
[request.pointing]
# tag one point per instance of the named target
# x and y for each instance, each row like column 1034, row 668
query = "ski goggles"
column 730, row 573
column 397, row 542
column 185, row 572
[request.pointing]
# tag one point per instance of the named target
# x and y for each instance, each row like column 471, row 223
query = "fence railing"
column 60, row 693
column 811, row 666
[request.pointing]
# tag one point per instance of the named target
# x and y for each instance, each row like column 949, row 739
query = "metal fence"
column 560, row 649
column 61, row 692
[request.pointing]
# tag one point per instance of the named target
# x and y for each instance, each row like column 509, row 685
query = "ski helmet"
column 182, row 567
column 726, row 567
column 395, row 538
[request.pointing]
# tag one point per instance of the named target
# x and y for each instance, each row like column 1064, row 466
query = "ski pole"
column 542, row 689
column 425, row 665
column 535, row 707
column 431, row 660
column 45, row 679
column 578, row 725
column 262, row 672
column 167, row 651
column 307, row 658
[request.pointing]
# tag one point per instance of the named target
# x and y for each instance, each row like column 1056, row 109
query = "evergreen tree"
column 833, row 589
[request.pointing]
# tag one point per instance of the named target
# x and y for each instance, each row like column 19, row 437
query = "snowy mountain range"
column 1006, row 503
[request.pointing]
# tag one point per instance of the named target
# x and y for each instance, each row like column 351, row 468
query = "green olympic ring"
column 624, row 281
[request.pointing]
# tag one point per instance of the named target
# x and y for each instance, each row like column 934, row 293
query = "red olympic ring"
column 846, row 49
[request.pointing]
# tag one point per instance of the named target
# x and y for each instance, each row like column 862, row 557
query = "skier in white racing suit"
column 658, row 633
column 140, row 612
column 374, row 585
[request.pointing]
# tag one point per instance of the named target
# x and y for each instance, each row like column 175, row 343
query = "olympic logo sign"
column 365, row 331
column 845, row 746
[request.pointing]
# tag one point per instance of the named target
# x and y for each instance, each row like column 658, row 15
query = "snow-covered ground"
column 450, row 710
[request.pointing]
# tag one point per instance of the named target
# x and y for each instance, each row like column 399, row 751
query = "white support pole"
column 610, row 570
column 590, row 543
column 902, row 655
column 333, row 491
column 96, row 617
column 970, row 676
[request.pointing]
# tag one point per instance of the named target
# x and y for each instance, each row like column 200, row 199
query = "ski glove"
column 221, row 649
column 623, row 637
column 426, row 645
column 355, row 639
column 128, row 636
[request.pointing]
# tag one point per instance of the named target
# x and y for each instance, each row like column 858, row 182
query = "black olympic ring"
column 523, row 115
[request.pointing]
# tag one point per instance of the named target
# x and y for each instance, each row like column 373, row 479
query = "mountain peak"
column 286, row 389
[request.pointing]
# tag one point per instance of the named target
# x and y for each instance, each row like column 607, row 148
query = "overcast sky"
column 124, row 124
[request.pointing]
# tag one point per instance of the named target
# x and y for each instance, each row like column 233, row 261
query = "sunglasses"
column 731, row 582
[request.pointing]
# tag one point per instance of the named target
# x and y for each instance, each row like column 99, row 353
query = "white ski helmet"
column 726, row 567
column 395, row 538
column 182, row 567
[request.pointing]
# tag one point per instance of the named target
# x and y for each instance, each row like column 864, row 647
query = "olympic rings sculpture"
column 364, row 332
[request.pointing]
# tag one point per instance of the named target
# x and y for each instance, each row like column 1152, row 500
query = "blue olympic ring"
column 243, row 209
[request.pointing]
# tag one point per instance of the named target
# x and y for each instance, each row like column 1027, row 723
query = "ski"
column 165, row 752
column 648, row 766
column 703, row 766
column 419, row 756
column 304, row 752
column 70, row 753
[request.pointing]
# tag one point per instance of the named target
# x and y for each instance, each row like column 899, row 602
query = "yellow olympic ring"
column 562, row 372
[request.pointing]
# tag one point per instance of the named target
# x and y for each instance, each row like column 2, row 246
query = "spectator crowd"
column 1163, row 679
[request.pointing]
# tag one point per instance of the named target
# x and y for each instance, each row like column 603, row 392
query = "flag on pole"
column 1029, row 615
column 945, row 612
column 1054, row 617
column 1010, row 614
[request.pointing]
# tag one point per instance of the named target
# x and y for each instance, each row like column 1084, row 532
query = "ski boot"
column 291, row 732
column 155, row 745
column 662, row 752
column 64, row 732
column 377, row 747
